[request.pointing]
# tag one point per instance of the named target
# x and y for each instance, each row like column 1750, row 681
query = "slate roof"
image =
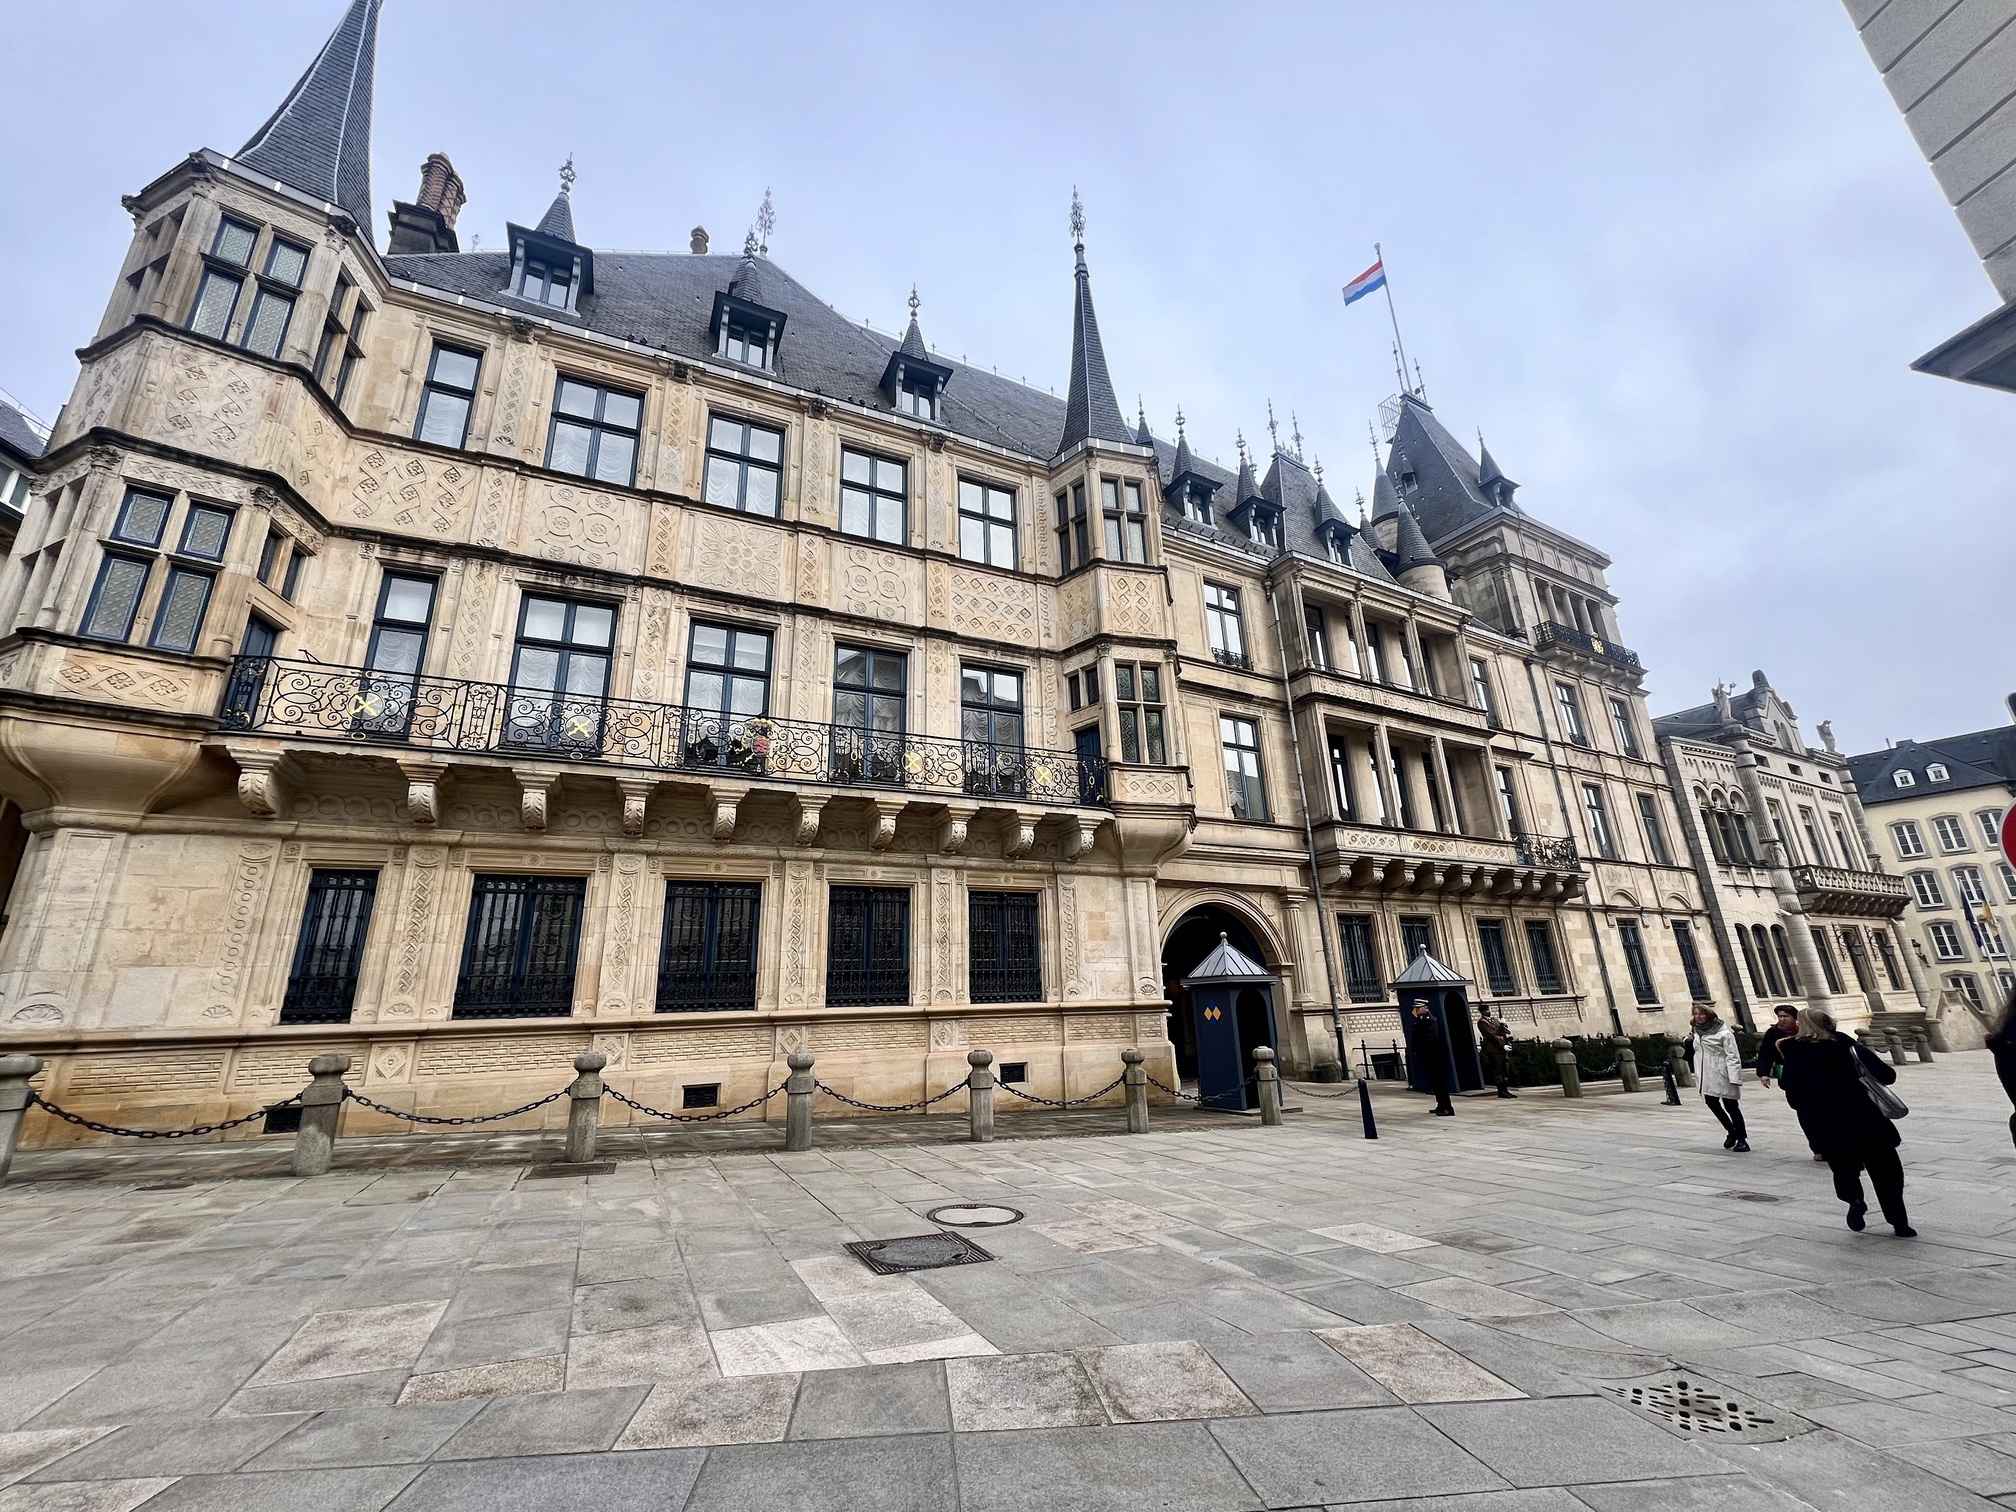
column 1425, row 968
column 558, row 221
column 1410, row 546
column 19, row 434
column 319, row 140
column 1090, row 410
column 1983, row 759
column 1447, row 496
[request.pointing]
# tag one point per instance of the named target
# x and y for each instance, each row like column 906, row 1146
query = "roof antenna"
column 1420, row 383
column 1318, row 471
column 1372, row 439
column 1399, row 371
column 766, row 222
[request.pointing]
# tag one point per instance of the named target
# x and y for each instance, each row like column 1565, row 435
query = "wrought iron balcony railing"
column 451, row 714
column 1555, row 852
column 1549, row 634
column 1229, row 658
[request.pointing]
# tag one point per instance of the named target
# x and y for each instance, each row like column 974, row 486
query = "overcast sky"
column 1673, row 260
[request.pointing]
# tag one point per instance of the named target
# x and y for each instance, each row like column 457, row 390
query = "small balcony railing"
column 1229, row 658
column 1554, row 852
column 452, row 714
column 1833, row 890
column 1549, row 634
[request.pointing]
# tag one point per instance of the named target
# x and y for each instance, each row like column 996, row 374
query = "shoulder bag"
column 1887, row 1102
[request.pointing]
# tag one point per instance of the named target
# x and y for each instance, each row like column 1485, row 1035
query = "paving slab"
column 1172, row 1467
column 83, row 1496
column 22, row 1454
column 1152, row 1383
column 1295, row 1371
column 746, row 1410
column 574, row 1422
column 648, row 1481
column 908, row 1474
column 1319, row 1458
column 182, row 1447
column 1021, row 1391
column 1563, row 1441
column 354, row 1341
column 873, row 1401
column 1415, row 1367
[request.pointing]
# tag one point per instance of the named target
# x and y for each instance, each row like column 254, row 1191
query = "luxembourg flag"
column 1372, row 278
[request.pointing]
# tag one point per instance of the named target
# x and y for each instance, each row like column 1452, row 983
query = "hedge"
column 1596, row 1057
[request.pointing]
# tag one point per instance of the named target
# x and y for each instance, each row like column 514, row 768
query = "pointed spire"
column 319, row 140
column 1410, row 546
column 1385, row 497
column 913, row 339
column 1248, row 486
column 1488, row 471
column 1142, row 435
column 558, row 221
column 1091, row 412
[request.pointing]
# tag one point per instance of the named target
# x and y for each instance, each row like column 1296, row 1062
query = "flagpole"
column 1386, row 284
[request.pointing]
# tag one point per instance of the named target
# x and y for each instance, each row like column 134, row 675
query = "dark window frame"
column 876, row 498
column 1690, row 963
column 1496, row 952
column 598, row 427
column 107, row 561
column 1143, row 714
column 1631, row 940
column 993, row 765
column 729, row 946
column 989, row 524
column 1225, row 625
column 223, row 270
column 178, row 573
column 1245, row 792
column 522, row 992
column 743, row 461
column 865, row 750
column 201, row 508
column 322, row 982
column 1126, row 520
column 1544, row 958
column 562, row 724
column 435, row 386
column 120, row 524
column 1358, row 950
column 873, row 977
column 995, row 923
column 1653, row 823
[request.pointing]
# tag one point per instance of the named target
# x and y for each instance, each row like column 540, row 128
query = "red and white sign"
column 2009, row 834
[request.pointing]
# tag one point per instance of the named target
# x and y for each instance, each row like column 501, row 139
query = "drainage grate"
column 915, row 1252
column 1694, row 1409
column 1751, row 1196
column 975, row 1215
column 165, row 1186
column 561, row 1168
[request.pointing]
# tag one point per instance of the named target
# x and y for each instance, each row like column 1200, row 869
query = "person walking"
column 1770, row 1057
column 1430, row 1049
column 1494, row 1039
column 1823, row 1077
column 2002, row 1045
column 1718, row 1070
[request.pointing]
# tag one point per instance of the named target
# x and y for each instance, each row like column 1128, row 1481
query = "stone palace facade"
column 464, row 659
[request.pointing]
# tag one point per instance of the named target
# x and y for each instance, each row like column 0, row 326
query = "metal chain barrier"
column 1200, row 1099
column 912, row 1107
column 422, row 1118
column 631, row 1102
column 37, row 1100
column 1069, row 1102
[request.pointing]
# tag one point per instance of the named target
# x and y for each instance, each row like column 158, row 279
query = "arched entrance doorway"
column 1194, row 937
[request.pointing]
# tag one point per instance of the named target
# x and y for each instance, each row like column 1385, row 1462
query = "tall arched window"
column 1750, row 962
column 1781, row 948
column 1766, row 957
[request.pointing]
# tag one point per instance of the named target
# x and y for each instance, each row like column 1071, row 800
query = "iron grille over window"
column 1004, row 965
column 337, row 917
column 1540, row 949
column 1497, row 959
column 868, row 946
column 707, row 960
column 518, row 961
column 1417, row 937
column 1642, row 985
column 1361, row 961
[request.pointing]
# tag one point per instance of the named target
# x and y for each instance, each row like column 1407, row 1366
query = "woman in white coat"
column 1718, row 1068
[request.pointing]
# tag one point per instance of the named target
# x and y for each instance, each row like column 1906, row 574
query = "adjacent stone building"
column 1935, row 810
column 1802, row 909
column 463, row 659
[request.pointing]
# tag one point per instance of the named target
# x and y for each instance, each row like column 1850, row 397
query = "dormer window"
column 746, row 340
column 1408, row 481
column 1193, row 497
column 545, row 282
column 917, row 396
column 1333, row 548
column 1935, row 773
column 1903, row 779
column 1263, row 527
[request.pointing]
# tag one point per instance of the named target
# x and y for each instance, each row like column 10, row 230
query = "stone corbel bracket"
column 954, row 827
column 261, row 779
column 884, row 834
column 1018, row 835
column 1080, row 838
column 535, row 793
column 809, row 811
column 727, row 801
column 636, row 798
column 424, row 780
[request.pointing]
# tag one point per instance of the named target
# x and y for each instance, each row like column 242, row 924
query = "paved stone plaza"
column 1451, row 1317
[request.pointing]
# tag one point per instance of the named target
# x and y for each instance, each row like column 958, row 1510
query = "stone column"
column 584, row 1107
column 1450, row 825
column 15, row 1072
column 321, row 1107
column 1385, row 774
column 1360, row 652
column 798, row 1101
column 1136, row 1080
column 980, row 1096
column 1799, row 930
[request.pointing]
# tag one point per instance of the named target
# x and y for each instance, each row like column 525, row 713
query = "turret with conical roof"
column 1091, row 412
column 319, row 140
column 1414, row 561
column 912, row 380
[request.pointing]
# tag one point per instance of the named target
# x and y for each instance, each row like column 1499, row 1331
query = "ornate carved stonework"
column 1018, row 835
column 739, row 557
column 809, row 811
column 247, row 889
column 576, row 525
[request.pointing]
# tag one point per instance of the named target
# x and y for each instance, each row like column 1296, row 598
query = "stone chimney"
column 428, row 224
column 698, row 240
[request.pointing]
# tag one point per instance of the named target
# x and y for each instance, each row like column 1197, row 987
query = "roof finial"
column 914, row 301
column 1179, row 419
column 1420, row 383
column 1273, row 429
column 568, row 175
column 1372, row 438
column 1077, row 221
column 1240, row 442
column 766, row 222
column 1318, row 469
column 1295, row 435
column 1361, row 508
column 749, row 247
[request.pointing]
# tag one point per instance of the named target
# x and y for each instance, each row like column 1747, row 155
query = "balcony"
column 1549, row 636
column 1549, row 852
column 1383, row 859
column 1860, row 894
column 1227, row 658
column 438, row 715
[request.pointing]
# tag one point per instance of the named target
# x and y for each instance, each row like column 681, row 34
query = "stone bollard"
column 798, row 1101
column 15, row 1070
column 1270, row 1085
column 1922, row 1042
column 1136, row 1080
column 321, row 1107
column 584, row 1108
column 980, row 1096
column 1565, row 1067
column 1676, row 1057
column 1894, row 1042
column 1627, row 1062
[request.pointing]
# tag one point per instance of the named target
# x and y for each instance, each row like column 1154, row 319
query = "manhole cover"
column 1751, row 1196
column 1693, row 1409
column 889, row 1257
column 975, row 1215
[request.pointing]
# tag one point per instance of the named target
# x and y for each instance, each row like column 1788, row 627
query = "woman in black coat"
column 1823, row 1082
